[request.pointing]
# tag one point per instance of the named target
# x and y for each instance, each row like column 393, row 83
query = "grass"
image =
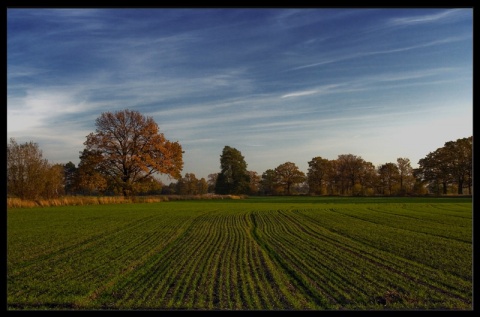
column 108, row 200
column 264, row 253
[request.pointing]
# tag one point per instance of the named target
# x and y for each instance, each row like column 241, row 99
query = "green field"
column 292, row 253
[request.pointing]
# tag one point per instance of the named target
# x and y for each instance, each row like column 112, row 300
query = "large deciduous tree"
column 268, row 183
column 288, row 174
column 317, row 175
column 450, row 164
column 388, row 177
column 349, row 168
column 233, row 177
column 405, row 176
column 367, row 179
column 460, row 155
column 129, row 148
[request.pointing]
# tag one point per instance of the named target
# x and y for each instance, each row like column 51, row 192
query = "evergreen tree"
column 233, row 177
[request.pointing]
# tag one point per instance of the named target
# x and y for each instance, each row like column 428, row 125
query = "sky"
column 278, row 84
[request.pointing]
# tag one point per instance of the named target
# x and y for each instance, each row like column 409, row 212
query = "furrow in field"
column 188, row 276
column 325, row 255
column 202, row 285
column 221, row 258
column 262, row 232
column 130, row 286
column 461, row 212
column 138, row 244
column 407, row 269
column 261, row 297
column 418, row 247
column 237, row 234
column 259, row 272
column 64, row 271
column 440, row 227
column 315, row 270
column 226, row 259
column 40, row 254
column 251, row 271
column 286, row 245
column 208, row 252
column 243, row 294
column 202, row 270
column 182, row 261
column 425, row 212
column 287, row 294
column 255, row 293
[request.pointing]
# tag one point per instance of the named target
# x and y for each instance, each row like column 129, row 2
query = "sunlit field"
column 291, row 253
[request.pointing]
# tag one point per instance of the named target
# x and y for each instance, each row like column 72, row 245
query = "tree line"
column 127, row 151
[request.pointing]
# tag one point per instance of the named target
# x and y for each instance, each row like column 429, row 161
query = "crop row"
column 241, row 256
column 353, row 273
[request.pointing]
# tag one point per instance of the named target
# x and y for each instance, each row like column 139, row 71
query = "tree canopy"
column 29, row 175
column 127, row 148
column 450, row 164
column 288, row 174
column 233, row 177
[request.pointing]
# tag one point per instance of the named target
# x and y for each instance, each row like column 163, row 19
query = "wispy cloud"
column 426, row 18
column 447, row 40
column 300, row 93
column 327, row 61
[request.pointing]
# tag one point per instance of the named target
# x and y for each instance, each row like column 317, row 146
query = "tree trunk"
column 460, row 186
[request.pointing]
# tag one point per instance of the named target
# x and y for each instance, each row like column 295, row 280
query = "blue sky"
column 279, row 85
